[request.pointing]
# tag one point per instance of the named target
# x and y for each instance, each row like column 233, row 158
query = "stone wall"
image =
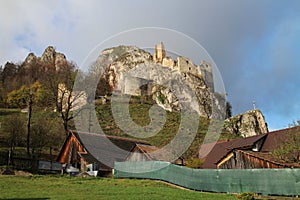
column 184, row 65
column 137, row 86
column 206, row 71
column 168, row 62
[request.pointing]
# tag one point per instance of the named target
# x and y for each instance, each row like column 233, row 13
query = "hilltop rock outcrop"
column 248, row 124
column 173, row 84
column 49, row 56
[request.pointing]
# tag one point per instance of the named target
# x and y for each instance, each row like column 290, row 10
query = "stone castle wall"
column 206, row 71
column 137, row 86
column 184, row 65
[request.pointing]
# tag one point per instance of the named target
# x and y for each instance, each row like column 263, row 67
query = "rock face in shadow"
column 248, row 124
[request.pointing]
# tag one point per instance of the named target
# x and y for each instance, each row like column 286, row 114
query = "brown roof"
column 153, row 152
column 221, row 149
column 271, row 141
column 106, row 149
column 146, row 148
column 276, row 138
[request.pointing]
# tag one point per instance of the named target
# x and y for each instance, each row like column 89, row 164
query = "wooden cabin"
column 241, row 159
column 249, row 153
column 81, row 149
column 142, row 153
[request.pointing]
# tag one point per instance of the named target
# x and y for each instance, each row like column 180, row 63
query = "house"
column 251, row 152
column 143, row 152
column 81, row 149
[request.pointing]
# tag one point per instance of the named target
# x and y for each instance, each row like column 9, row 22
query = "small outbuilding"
column 252, row 152
column 81, row 149
column 142, row 152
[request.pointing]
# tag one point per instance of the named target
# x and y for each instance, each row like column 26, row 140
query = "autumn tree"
column 289, row 150
column 24, row 97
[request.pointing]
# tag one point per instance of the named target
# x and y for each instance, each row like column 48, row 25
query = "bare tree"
column 66, row 101
column 69, row 104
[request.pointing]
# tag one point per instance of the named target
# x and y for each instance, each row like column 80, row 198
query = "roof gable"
column 221, row 149
column 269, row 142
column 107, row 149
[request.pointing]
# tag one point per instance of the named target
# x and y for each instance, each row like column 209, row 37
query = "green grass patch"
column 139, row 113
column 65, row 187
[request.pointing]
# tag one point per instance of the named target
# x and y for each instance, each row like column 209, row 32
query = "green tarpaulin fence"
column 261, row 181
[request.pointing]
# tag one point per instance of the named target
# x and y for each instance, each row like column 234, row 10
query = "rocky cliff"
column 133, row 71
column 49, row 56
column 248, row 124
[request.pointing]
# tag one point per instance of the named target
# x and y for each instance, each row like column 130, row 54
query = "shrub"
column 194, row 163
column 246, row 196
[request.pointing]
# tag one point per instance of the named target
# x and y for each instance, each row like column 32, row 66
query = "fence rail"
column 20, row 161
column 260, row 181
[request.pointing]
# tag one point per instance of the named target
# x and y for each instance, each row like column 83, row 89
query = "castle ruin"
column 137, row 86
column 184, row 65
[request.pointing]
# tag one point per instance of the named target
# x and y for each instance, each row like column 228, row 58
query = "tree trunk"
column 50, row 152
column 28, row 125
column 66, row 127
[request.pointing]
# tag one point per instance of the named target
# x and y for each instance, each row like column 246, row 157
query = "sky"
column 254, row 43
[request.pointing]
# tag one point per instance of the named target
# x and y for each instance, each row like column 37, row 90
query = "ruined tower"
column 159, row 53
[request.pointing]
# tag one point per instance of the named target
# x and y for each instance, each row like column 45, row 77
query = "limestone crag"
column 133, row 71
column 49, row 56
column 124, row 59
column 59, row 61
column 31, row 58
column 248, row 124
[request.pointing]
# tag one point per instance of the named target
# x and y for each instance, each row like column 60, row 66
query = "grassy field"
column 64, row 187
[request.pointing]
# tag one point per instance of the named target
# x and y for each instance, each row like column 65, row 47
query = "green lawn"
column 65, row 187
